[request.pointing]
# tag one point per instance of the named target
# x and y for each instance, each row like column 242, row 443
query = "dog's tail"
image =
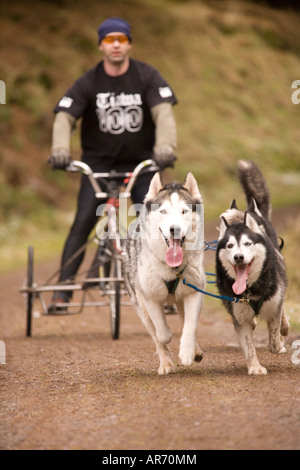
column 255, row 187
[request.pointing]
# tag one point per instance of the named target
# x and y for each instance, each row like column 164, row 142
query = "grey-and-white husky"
column 169, row 243
column 250, row 266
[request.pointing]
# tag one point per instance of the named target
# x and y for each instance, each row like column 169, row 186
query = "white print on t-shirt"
column 120, row 113
column 165, row 92
column 66, row 102
column 110, row 100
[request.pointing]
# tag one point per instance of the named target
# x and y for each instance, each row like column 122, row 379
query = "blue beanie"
column 114, row 25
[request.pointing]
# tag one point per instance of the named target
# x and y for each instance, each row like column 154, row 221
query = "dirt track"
column 71, row 387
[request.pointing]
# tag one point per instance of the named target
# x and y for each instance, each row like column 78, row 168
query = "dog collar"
column 256, row 305
column 172, row 285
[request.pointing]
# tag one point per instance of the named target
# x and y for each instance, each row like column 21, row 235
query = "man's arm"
column 63, row 125
column 165, row 134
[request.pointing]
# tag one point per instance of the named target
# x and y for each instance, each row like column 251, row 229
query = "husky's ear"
column 251, row 223
column 233, row 205
column 154, row 188
column 253, row 207
column 190, row 184
column 223, row 227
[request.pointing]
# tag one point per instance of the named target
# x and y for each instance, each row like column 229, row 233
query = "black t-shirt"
column 117, row 128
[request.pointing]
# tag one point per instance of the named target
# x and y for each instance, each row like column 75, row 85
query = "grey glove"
column 60, row 159
column 164, row 159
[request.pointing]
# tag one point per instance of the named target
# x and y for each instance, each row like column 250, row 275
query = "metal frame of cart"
column 109, row 283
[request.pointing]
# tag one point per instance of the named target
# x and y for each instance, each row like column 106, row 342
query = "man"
column 127, row 117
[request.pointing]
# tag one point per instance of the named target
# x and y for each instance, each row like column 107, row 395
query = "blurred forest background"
column 231, row 63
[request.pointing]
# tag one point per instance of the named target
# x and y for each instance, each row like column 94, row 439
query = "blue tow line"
column 213, row 246
column 222, row 297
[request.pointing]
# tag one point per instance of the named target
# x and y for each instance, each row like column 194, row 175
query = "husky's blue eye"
column 248, row 244
column 185, row 211
column 163, row 211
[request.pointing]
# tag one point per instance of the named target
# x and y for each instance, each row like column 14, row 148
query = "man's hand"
column 60, row 159
column 165, row 158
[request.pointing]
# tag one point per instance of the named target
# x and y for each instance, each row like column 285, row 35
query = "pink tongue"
column 174, row 256
column 240, row 284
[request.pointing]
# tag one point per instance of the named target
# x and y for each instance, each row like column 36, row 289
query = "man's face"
column 115, row 47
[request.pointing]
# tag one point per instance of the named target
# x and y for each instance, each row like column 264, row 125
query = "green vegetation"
column 231, row 65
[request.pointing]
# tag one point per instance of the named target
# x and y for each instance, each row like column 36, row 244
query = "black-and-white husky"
column 250, row 267
column 168, row 242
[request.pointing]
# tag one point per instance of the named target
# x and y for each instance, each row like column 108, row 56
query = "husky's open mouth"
column 174, row 255
column 242, row 272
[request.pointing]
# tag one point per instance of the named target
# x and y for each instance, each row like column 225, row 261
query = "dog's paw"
column 187, row 357
column 257, row 369
column 198, row 357
column 166, row 368
column 199, row 354
column 278, row 349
